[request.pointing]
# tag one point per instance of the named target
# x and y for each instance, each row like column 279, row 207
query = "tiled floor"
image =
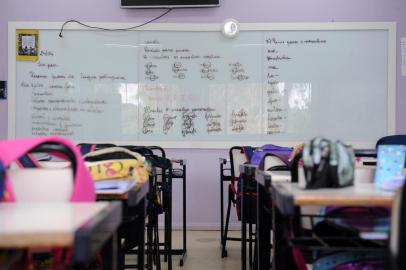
column 203, row 252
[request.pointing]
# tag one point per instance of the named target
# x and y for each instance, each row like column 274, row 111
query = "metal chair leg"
column 224, row 239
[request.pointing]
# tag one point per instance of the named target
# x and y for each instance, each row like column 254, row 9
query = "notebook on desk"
column 113, row 186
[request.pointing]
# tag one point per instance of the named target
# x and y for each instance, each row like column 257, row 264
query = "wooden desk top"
column 26, row 225
column 265, row 178
column 288, row 195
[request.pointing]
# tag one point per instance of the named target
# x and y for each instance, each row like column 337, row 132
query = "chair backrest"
column 159, row 152
column 397, row 244
column 272, row 161
column 237, row 157
column 392, row 139
column 365, row 165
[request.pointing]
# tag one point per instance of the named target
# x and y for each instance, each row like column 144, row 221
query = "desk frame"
column 98, row 233
column 134, row 198
column 247, row 172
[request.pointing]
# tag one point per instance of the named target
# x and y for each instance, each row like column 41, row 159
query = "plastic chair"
column 163, row 169
column 274, row 163
column 127, row 229
column 237, row 157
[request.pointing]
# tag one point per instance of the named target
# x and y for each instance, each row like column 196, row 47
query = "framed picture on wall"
column 27, row 45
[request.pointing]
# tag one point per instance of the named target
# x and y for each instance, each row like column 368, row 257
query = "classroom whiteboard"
column 186, row 85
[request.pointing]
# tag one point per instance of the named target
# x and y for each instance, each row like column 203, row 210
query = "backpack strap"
column 248, row 152
column 112, row 153
column 2, row 180
column 85, row 148
column 12, row 150
column 28, row 161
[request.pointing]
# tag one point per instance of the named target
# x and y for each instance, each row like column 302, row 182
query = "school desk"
column 247, row 171
column 84, row 227
column 133, row 207
column 287, row 198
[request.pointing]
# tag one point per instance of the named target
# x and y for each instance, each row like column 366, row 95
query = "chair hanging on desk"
column 164, row 173
column 242, row 194
column 237, row 157
column 107, row 154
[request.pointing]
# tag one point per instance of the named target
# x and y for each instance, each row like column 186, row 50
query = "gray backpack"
column 328, row 164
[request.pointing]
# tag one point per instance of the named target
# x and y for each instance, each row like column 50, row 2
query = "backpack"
column 328, row 164
column 117, row 163
column 283, row 153
column 12, row 150
column 354, row 260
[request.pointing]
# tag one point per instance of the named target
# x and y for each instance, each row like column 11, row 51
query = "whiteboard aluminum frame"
column 205, row 27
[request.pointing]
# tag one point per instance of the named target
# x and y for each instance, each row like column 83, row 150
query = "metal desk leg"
column 120, row 254
column 141, row 240
column 274, row 237
column 222, row 214
column 283, row 257
column 184, row 215
column 243, row 229
column 150, row 224
column 109, row 253
column 263, row 230
column 221, row 207
column 170, row 221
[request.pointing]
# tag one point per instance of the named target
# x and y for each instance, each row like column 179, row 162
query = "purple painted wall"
column 3, row 66
column 203, row 164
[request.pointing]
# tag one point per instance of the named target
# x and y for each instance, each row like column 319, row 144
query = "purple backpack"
column 281, row 152
column 356, row 260
column 371, row 264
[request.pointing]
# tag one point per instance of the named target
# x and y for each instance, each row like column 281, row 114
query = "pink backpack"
column 12, row 150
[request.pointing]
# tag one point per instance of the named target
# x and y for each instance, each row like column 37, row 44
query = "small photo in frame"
column 27, row 45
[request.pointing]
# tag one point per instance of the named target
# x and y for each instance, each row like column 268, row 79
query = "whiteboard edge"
column 392, row 79
column 219, row 144
column 211, row 26
column 12, row 79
